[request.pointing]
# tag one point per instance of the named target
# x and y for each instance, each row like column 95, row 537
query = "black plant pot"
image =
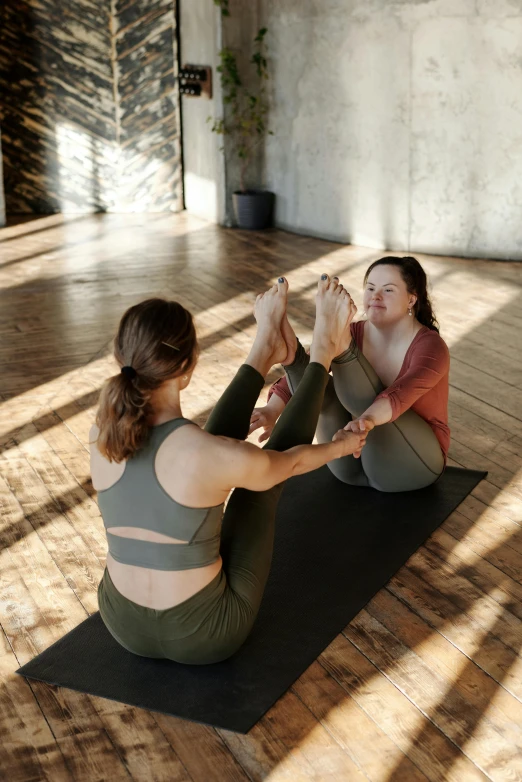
column 254, row 210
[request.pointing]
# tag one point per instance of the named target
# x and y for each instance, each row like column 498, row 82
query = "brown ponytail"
column 416, row 282
column 157, row 340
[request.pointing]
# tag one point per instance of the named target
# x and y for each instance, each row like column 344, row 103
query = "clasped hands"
column 364, row 423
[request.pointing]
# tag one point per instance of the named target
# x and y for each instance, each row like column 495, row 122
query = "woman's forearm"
column 306, row 458
column 276, row 405
column 380, row 412
column 259, row 469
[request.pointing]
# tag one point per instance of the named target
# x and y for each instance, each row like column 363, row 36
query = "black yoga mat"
column 336, row 546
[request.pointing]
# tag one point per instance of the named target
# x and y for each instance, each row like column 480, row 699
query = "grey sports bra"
column 137, row 499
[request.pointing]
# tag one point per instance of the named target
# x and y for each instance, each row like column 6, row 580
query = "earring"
column 184, row 377
column 410, row 312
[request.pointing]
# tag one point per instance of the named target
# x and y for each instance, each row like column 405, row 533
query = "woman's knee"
column 403, row 455
column 401, row 472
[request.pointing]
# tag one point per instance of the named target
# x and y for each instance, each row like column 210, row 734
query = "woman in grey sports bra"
column 184, row 581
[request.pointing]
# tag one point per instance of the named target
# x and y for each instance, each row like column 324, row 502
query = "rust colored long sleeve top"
column 422, row 383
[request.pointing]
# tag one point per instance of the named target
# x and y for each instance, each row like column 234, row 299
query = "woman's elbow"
column 281, row 467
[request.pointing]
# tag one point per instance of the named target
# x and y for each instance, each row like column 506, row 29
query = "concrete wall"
column 211, row 165
column 200, row 41
column 398, row 123
column 238, row 33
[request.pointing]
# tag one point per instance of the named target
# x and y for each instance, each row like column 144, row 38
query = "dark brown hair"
column 125, row 408
column 416, row 282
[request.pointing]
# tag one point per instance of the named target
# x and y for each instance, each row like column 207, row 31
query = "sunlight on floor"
column 25, row 407
column 457, row 294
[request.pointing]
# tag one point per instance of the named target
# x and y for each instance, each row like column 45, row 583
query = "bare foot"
column 290, row 339
column 335, row 311
column 269, row 345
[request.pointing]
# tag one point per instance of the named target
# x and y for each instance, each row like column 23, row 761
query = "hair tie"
column 129, row 372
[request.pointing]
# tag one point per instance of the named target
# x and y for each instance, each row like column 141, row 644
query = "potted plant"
column 246, row 123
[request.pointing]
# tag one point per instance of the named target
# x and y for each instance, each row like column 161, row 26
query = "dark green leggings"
column 399, row 456
column 212, row 624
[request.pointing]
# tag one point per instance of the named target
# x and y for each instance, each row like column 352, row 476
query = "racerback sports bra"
column 138, row 500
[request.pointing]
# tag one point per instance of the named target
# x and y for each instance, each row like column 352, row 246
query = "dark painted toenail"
column 324, row 276
column 281, row 279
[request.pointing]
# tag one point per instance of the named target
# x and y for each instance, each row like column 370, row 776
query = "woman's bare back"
column 160, row 589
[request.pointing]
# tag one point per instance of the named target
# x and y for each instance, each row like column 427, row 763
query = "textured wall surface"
column 204, row 170
column 90, row 115
column 398, row 123
column 211, row 162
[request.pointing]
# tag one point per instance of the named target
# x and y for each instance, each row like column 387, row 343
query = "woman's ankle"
column 350, row 354
column 300, row 359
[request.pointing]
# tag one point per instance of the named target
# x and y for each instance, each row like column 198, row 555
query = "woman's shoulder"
column 430, row 340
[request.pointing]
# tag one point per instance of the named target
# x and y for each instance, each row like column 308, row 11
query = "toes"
column 337, row 286
column 324, row 282
column 282, row 285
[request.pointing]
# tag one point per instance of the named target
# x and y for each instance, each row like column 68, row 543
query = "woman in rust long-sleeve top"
column 392, row 380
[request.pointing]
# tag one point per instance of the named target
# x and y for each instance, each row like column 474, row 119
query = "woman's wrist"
column 275, row 405
column 380, row 412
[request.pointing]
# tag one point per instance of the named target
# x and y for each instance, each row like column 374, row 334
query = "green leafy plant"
column 223, row 4
column 246, row 112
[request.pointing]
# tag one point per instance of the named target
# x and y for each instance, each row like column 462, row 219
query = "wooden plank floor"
column 424, row 684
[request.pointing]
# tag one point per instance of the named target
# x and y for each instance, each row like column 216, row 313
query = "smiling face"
column 386, row 298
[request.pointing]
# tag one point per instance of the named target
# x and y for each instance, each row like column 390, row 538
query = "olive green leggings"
column 399, row 456
column 212, row 624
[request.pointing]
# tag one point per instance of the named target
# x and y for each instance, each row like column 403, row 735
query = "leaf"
column 223, row 4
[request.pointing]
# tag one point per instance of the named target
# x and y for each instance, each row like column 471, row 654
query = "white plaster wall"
column 398, row 123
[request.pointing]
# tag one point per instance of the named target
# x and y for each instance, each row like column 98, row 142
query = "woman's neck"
column 165, row 405
column 162, row 416
column 402, row 331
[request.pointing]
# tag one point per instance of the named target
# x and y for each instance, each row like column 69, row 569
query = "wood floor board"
column 368, row 744
column 442, row 657
column 482, row 647
column 281, row 739
column 421, row 741
column 486, row 576
column 465, row 725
